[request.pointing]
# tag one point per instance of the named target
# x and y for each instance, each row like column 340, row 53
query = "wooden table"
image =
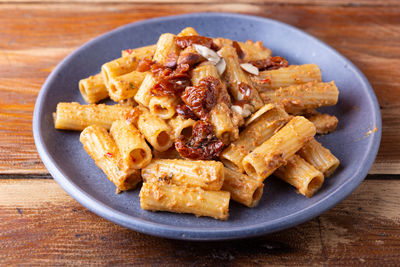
column 41, row 224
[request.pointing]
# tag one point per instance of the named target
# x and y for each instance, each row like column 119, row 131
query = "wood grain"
column 35, row 37
column 44, row 225
column 350, row 3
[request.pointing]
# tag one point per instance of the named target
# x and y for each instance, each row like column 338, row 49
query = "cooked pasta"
column 204, row 120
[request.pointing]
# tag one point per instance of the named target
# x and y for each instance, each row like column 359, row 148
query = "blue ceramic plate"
column 281, row 207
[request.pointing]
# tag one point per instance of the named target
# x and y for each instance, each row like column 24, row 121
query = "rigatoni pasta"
column 93, row 88
column 204, row 120
column 319, row 156
column 284, row 77
column 73, row 116
column 303, row 97
column 133, row 147
column 181, row 199
column 243, row 188
column 101, row 147
column 302, row 175
column 208, row 175
column 274, row 152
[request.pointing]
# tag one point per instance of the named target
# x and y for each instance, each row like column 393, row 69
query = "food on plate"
column 200, row 121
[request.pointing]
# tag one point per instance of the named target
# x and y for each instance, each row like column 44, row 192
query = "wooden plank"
column 45, row 225
column 36, row 37
column 278, row 2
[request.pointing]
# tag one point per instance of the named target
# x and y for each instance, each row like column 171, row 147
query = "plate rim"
column 187, row 233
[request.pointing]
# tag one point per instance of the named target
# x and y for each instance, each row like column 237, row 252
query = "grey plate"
column 281, row 207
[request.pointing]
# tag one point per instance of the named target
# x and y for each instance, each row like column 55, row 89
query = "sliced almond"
column 207, row 53
column 259, row 112
column 250, row 68
column 221, row 65
column 244, row 111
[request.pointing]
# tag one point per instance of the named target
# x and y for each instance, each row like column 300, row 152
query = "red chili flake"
column 203, row 144
column 267, row 80
column 129, row 51
column 186, row 41
column 108, row 155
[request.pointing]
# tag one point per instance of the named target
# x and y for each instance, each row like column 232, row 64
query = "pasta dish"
column 200, row 121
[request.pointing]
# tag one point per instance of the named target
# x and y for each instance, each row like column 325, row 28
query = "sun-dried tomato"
column 203, row 144
column 185, row 112
column 170, row 82
column 239, row 50
column 271, row 63
column 186, row 41
column 189, row 58
column 202, row 97
column 144, row 65
column 171, row 60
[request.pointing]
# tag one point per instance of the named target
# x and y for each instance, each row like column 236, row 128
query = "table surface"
column 41, row 224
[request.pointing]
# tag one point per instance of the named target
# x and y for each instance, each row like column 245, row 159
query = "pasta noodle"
column 133, row 148
column 93, row 89
column 73, row 116
column 208, row 175
column 303, row 97
column 243, row 188
column 274, row 152
column 182, row 199
column 102, row 148
column 320, row 157
column 302, row 175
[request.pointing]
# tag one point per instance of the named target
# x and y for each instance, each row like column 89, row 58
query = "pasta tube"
column 243, row 188
column 302, row 97
column 319, row 156
column 274, row 152
column 254, row 51
column 133, row 148
column 324, row 123
column 239, row 83
column 125, row 86
column 221, row 114
column 182, row 199
column 188, row 31
column 93, row 89
column 73, row 116
column 143, row 95
column 283, row 77
column 167, row 51
column 256, row 133
column 102, row 148
column 163, row 106
column 155, row 130
column 302, row 175
column 118, row 67
column 181, row 126
column 250, row 50
column 208, row 175
column 141, row 52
